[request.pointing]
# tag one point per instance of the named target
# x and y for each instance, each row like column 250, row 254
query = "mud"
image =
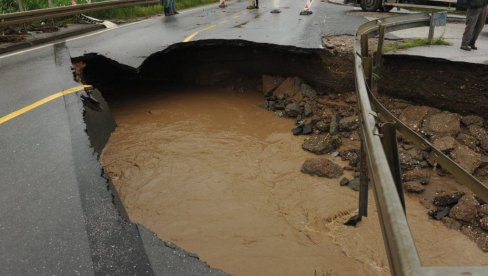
column 212, row 172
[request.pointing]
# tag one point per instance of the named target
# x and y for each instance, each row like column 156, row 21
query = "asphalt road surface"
column 57, row 215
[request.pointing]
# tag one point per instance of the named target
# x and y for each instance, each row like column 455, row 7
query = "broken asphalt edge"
column 50, row 38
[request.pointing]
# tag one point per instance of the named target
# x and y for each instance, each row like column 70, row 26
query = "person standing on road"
column 169, row 7
column 253, row 4
column 475, row 20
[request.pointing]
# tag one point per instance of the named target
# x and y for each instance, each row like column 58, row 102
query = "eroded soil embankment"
column 198, row 170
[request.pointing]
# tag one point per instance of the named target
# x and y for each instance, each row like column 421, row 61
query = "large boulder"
column 442, row 124
column 466, row 209
column 472, row 120
column 349, row 123
column 290, row 88
column 270, row 83
column 308, row 91
column 443, row 198
column 445, row 144
column 322, row 143
column 322, row 167
column 413, row 115
column 466, row 158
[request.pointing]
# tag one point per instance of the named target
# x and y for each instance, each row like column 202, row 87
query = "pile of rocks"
column 464, row 212
column 465, row 140
column 328, row 119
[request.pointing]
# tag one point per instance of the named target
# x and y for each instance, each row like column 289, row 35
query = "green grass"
column 411, row 43
column 146, row 11
column 127, row 13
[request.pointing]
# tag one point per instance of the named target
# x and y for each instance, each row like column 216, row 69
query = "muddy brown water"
column 215, row 174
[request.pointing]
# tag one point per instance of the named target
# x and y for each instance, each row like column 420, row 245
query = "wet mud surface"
column 210, row 171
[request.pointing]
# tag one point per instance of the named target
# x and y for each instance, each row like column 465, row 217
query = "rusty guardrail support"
column 16, row 18
column 379, row 153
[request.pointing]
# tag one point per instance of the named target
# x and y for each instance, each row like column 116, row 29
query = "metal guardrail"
column 9, row 19
column 378, row 147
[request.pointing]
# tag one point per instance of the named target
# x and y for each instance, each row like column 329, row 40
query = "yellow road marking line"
column 209, row 27
column 188, row 38
column 28, row 108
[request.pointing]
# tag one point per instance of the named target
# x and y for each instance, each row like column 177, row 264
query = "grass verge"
column 135, row 12
column 411, row 43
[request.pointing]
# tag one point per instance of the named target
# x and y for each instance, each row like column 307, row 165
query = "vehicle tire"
column 370, row 5
column 386, row 8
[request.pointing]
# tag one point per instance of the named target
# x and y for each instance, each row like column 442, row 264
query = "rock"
column 344, row 181
column 354, row 184
column 264, row 105
column 322, row 167
column 484, row 223
column 351, row 155
column 280, row 113
column 413, row 116
column 414, row 187
column 307, row 129
column 307, row 109
column 415, row 175
column 444, row 198
column 329, row 46
column 484, row 143
column 308, row 91
column 292, row 110
column 451, row 223
column 290, row 88
column 349, row 123
column 476, row 234
column 333, row 127
column 466, row 158
column 466, row 209
column 439, row 214
column 407, row 161
column 322, row 143
column 322, row 126
column 472, row 120
column 297, row 131
column 468, row 140
column 484, row 210
column 270, row 83
column 442, row 124
column 445, row 144
column 477, row 131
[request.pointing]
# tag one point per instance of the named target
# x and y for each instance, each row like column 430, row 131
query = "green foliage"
column 7, row 6
column 411, row 43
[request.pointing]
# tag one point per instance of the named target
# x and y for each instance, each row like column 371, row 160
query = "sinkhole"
column 247, row 154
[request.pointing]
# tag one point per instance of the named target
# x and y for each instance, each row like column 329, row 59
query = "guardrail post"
column 390, row 146
column 363, row 189
column 367, row 60
column 377, row 59
column 431, row 28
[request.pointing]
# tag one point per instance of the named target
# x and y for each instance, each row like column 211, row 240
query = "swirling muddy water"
column 215, row 174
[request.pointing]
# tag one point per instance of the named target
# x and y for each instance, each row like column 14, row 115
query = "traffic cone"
column 306, row 10
column 276, row 6
column 222, row 4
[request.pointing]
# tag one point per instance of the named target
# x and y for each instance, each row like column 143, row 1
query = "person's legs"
column 257, row 4
column 471, row 19
column 480, row 23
